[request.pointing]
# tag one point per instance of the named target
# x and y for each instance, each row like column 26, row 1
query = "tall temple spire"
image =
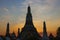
column 29, row 32
column 29, row 16
column 7, row 30
column 45, row 36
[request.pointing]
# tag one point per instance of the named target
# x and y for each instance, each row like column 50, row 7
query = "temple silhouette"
column 29, row 31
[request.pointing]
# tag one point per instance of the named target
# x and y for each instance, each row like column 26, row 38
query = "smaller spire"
column 18, row 31
column 44, row 25
column 8, row 23
column 45, row 36
column 7, row 30
column 44, row 22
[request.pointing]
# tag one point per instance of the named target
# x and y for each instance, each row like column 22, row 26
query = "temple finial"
column 29, row 9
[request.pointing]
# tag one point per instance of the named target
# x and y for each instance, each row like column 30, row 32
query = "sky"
column 14, row 12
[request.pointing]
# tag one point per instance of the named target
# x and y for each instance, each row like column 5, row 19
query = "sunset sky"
column 14, row 12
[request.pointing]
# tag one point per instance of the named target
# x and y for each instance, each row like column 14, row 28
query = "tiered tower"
column 29, row 32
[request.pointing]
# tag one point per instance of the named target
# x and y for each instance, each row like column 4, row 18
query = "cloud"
column 43, row 8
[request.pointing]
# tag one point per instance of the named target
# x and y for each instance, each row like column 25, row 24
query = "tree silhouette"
column 58, row 34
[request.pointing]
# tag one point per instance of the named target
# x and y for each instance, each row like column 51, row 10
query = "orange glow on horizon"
column 51, row 27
